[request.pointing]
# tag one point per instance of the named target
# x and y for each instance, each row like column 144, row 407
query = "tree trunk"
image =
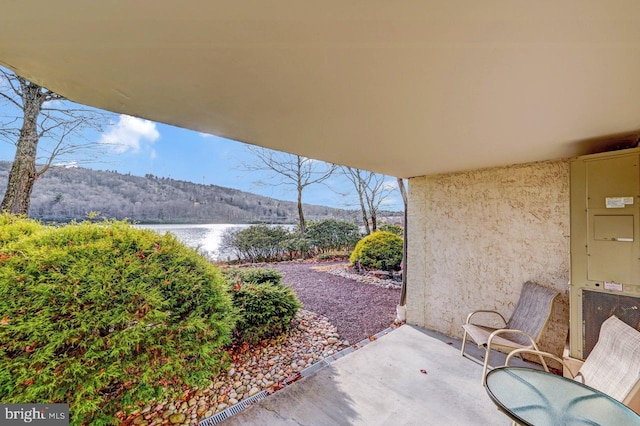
column 365, row 219
column 23, row 172
column 301, row 213
column 373, row 214
column 300, row 187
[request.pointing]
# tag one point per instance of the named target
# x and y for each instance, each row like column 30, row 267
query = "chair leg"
column 464, row 341
column 486, row 366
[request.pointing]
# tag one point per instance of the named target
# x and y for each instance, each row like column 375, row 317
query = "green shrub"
column 253, row 275
column 298, row 247
column 13, row 228
column 334, row 255
column 331, row 234
column 257, row 243
column 393, row 228
column 103, row 316
column 379, row 250
column 266, row 307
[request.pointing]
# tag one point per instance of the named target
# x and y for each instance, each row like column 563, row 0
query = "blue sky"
column 137, row 146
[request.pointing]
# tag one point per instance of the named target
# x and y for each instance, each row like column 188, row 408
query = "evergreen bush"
column 13, row 228
column 103, row 316
column 253, row 275
column 266, row 307
column 379, row 250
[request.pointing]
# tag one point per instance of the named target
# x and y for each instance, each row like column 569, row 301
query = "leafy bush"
column 298, row 247
column 334, row 256
column 379, row 250
column 331, row 234
column 103, row 316
column 265, row 243
column 257, row 243
column 393, row 228
column 266, row 306
column 253, row 275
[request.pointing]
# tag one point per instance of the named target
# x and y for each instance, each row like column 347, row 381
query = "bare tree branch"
column 291, row 170
column 372, row 190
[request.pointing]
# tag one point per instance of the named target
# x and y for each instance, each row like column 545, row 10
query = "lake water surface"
column 206, row 238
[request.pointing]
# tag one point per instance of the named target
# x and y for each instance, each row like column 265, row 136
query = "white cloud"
column 153, row 154
column 129, row 133
column 390, row 185
column 205, row 135
column 390, row 201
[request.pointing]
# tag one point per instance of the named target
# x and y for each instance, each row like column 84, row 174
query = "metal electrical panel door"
column 612, row 187
column 605, row 241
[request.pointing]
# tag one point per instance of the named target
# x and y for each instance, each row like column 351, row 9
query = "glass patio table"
column 535, row 397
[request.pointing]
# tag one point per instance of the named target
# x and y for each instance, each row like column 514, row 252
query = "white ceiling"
column 405, row 88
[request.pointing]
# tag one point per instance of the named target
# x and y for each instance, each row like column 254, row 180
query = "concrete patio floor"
column 409, row 376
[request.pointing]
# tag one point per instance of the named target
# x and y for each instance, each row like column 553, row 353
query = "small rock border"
column 255, row 368
column 345, row 270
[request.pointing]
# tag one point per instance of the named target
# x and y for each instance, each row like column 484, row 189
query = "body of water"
column 205, row 238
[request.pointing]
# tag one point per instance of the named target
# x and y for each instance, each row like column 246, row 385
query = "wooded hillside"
column 63, row 194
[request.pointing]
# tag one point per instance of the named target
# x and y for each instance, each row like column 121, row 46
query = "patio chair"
column 612, row 367
column 523, row 330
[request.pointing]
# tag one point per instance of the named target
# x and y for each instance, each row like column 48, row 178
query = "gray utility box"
column 605, row 244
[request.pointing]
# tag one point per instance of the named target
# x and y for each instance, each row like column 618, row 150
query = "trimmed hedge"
column 379, row 250
column 103, row 316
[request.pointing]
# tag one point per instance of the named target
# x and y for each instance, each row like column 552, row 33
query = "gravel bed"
column 357, row 308
column 340, row 308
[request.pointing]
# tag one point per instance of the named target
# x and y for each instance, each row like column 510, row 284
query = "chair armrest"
column 510, row 331
column 541, row 354
column 485, row 311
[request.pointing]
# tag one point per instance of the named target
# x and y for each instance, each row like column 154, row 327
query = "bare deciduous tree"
column 357, row 178
column 372, row 190
column 292, row 170
column 33, row 114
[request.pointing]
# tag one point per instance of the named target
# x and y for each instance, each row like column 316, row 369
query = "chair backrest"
column 613, row 366
column 532, row 311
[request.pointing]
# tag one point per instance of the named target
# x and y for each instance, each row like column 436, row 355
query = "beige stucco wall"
column 475, row 237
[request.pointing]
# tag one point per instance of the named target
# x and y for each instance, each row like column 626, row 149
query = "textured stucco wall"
column 475, row 237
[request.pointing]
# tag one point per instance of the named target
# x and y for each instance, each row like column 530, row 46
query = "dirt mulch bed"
column 356, row 309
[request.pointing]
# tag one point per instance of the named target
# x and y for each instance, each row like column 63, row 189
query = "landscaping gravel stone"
column 358, row 305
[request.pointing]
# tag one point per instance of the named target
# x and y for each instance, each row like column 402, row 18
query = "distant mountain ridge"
column 64, row 194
